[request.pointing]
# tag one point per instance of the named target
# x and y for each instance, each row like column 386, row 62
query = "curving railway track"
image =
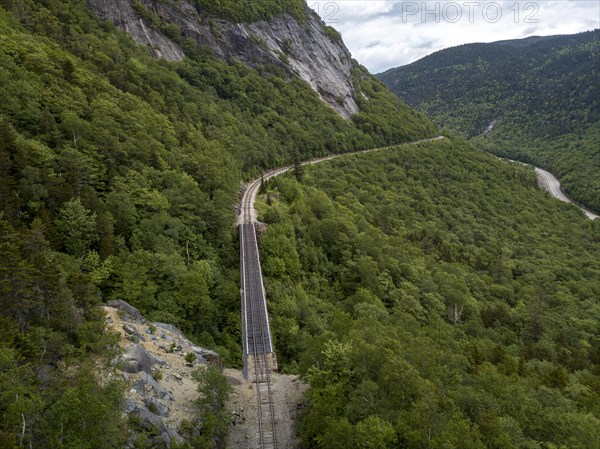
column 248, row 214
column 259, row 357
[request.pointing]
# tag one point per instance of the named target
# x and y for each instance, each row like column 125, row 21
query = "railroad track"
column 258, row 349
column 259, row 358
column 247, row 212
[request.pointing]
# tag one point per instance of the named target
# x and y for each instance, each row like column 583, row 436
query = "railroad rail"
column 259, row 357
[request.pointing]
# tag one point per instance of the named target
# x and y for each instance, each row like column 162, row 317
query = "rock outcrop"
column 156, row 362
column 124, row 16
column 305, row 49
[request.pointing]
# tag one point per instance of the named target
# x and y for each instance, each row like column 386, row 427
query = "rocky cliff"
column 157, row 363
column 308, row 50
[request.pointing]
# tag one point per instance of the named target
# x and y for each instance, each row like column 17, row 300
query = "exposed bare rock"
column 123, row 15
column 261, row 228
column 205, row 355
column 301, row 49
column 129, row 406
column 157, row 407
column 130, row 313
column 161, row 392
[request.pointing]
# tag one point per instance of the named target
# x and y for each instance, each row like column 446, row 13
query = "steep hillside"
column 298, row 44
column 433, row 296
column 119, row 175
column 536, row 100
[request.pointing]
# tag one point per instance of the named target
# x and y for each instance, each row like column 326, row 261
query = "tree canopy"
column 536, row 100
column 433, row 296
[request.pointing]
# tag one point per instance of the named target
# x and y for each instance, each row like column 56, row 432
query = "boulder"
column 156, row 406
column 137, row 359
column 129, row 406
column 149, row 421
column 206, row 355
column 131, row 313
column 169, row 327
column 132, row 333
column 146, row 382
column 130, row 329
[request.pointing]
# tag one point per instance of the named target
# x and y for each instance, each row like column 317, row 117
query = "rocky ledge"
column 308, row 50
column 156, row 362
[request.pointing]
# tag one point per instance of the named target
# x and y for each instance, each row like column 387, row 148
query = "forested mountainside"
column 541, row 95
column 430, row 295
column 433, row 296
column 119, row 175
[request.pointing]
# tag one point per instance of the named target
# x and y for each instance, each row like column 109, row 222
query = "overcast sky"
column 386, row 34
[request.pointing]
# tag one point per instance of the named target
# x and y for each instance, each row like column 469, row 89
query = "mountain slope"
column 433, row 296
column 149, row 152
column 540, row 94
column 297, row 44
column 119, row 175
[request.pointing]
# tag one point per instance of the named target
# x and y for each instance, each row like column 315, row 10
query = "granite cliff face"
column 303, row 49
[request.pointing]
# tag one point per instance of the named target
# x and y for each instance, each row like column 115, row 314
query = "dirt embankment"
column 288, row 393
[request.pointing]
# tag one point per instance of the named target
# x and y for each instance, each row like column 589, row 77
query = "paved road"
column 549, row 183
column 552, row 185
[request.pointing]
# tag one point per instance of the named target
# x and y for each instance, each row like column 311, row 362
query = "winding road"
column 549, row 182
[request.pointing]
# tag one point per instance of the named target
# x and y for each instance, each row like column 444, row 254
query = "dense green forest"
column 119, row 176
column 433, row 296
column 251, row 10
column 542, row 94
column 430, row 295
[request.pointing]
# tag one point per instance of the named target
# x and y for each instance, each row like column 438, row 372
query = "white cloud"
column 385, row 34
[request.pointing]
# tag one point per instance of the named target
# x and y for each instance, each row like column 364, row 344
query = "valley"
column 540, row 93
column 218, row 230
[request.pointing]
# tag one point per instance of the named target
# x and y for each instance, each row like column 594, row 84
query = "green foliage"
column 442, row 300
column 133, row 165
column 382, row 114
column 49, row 394
column 87, row 415
column 118, row 179
column 541, row 93
column 213, row 420
column 333, row 34
column 251, row 10
column 76, row 226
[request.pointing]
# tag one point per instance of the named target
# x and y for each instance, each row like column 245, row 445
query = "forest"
column 541, row 94
column 249, row 10
column 119, row 176
column 430, row 295
column 433, row 296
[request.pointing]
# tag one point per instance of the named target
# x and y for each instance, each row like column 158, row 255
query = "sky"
column 391, row 33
